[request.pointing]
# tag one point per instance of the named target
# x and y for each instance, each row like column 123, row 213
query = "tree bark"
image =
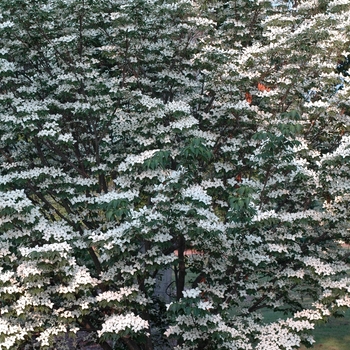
column 131, row 344
column 180, row 285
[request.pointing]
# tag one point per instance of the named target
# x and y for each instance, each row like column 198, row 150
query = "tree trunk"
column 180, row 286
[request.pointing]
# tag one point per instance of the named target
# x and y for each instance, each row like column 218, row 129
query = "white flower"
column 191, row 293
column 119, row 323
column 196, row 192
column 205, row 305
column 184, row 123
column 118, row 296
column 131, row 160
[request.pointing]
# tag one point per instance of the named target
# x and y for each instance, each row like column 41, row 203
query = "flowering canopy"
column 134, row 130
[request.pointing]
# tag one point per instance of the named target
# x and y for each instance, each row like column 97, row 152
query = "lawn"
column 334, row 335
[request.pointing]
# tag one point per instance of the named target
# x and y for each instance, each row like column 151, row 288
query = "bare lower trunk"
column 131, row 344
column 180, row 285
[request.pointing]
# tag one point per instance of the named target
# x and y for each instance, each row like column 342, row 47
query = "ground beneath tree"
column 81, row 342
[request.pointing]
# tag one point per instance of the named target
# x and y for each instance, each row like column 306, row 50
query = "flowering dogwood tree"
column 134, row 130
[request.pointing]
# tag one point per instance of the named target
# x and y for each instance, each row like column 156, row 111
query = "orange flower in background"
column 238, row 178
column 262, row 87
column 248, row 97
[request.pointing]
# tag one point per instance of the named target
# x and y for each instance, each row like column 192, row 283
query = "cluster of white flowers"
column 63, row 248
column 177, row 106
column 119, row 323
column 209, row 138
column 319, row 266
column 343, row 301
column 254, row 257
column 46, row 336
column 26, row 300
column 205, row 305
column 184, row 123
column 6, row 24
column 277, row 248
column 308, row 314
column 300, row 273
column 263, row 215
column 59, row 231
column 66, row 137
column 28, row 268
column 213, row 184
column 5, row 65
column 6, row 276
column 212, row 226
column 80, row 277
column 131, row 160
column 164, row 260
column 30, row 174
column 162, row 237
column 150, row 102
column 343, row 150
column 64, row 39
column 298, row 325
column 275, row 336
column 4, row 249
column 49, row 129
column 337, row 3
column 14, row 199
column 13, row 333
column 191, row 293
column 330, row 283
column 223, row 166
column 114, row 195
column 196, row 192
column 118, row 296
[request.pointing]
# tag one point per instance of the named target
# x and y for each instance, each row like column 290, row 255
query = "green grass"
column 333, row 335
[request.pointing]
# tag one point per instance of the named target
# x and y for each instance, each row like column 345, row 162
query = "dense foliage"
column 133, row 131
